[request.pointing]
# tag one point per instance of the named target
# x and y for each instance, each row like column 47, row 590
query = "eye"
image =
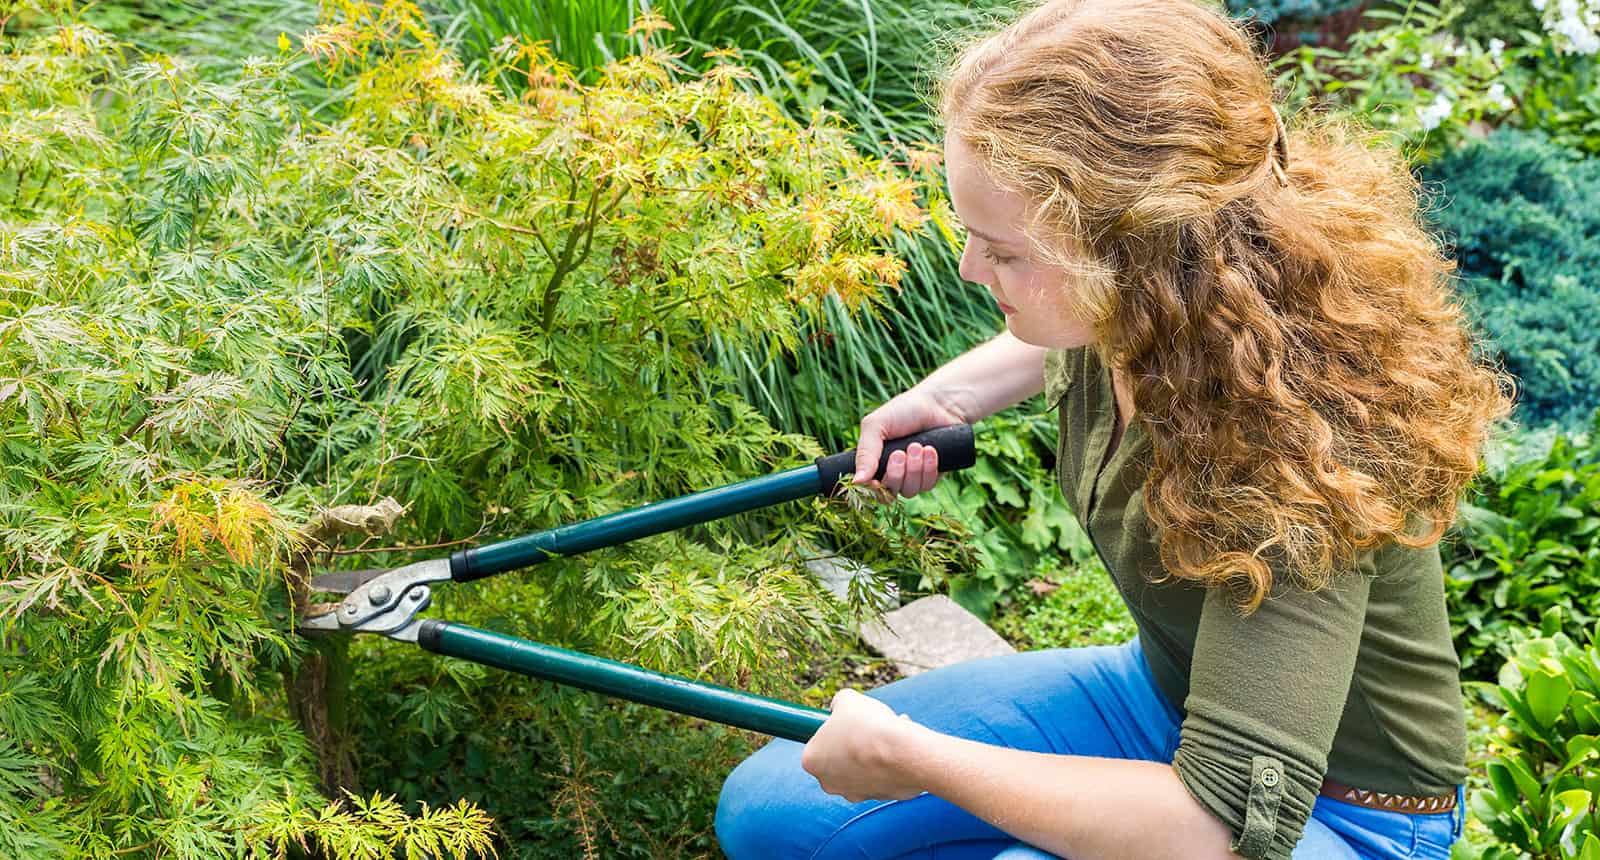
column 999, row 261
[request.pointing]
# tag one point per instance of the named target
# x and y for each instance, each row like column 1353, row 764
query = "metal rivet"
column 418, row 593
column 379, row 595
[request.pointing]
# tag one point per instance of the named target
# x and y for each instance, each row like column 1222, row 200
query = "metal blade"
column 385, row 602
column 323, row 619
column 346, row 581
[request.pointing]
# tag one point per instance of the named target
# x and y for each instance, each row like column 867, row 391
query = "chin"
column 1057, row 339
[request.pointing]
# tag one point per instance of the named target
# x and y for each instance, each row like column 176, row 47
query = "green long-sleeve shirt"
column 1358, row 682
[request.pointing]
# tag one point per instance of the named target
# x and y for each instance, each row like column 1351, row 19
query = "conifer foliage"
column 227, row 304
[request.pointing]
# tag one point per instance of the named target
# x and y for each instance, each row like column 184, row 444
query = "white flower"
column 1496, row 46
column 1497, row 94
column 1427, row 60
column 1436, row 113
column 1580, row 38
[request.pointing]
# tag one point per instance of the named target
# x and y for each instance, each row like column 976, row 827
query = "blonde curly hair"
column 1287, row 323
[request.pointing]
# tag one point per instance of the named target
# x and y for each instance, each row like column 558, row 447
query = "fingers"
column 907, row 473
column 912, row 471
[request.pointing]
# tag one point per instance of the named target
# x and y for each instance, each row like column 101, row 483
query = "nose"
column 973, row 267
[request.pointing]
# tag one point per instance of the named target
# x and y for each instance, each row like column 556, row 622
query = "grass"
column 1065, row 607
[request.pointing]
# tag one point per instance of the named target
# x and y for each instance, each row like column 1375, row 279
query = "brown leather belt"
column 1392, row 802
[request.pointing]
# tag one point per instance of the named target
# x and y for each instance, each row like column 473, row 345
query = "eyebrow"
column 990, row 239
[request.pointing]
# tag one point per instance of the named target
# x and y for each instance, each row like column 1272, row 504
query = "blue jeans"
column 1096, row 701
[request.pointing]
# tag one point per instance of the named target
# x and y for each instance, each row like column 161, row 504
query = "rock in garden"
column 932, row 632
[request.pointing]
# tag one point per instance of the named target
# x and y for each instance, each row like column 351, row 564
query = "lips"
column 1005, row 308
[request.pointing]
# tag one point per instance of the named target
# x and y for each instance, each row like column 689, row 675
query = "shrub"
column 1407, row 76
column 1483, row 20
column 1009, row 511
column 220, row 313
column 868, row 62
column 1543, row 785
column 1528, row 540
column 1520, row 213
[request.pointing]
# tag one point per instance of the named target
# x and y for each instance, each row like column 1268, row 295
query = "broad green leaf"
column 1547, row 695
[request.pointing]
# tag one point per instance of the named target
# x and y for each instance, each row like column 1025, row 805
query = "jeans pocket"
column 1427, row 850
column 1436, row 832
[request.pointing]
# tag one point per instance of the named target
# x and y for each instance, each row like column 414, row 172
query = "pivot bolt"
column 379, row 595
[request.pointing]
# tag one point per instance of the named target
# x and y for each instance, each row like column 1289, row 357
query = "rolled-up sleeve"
column 1266, row 693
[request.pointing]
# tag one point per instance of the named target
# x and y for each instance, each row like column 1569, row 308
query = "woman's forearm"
column 1080, row 807
column 992, row 376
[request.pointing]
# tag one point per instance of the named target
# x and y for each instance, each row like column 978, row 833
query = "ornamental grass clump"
column 226, row 308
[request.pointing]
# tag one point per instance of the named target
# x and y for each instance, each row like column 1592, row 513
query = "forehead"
column 985, row 208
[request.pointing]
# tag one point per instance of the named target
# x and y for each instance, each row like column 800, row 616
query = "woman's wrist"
column 958, row 400
column 914, row 750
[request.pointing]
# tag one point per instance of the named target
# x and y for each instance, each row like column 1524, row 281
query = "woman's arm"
column 994, row 375
column 1081, row 807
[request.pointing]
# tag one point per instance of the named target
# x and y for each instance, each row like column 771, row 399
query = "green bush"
column 1559, row 94
column 220, row 314
column 1520, row 214
column 1528, row 540
column 1406, row 76
column 1543, row 782
column 1495, row 19
column 1009, row 511
column 869, row 62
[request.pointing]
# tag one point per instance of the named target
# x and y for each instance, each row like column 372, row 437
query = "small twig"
column 404, row 548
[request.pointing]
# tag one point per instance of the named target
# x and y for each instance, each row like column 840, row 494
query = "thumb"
column 868, row 448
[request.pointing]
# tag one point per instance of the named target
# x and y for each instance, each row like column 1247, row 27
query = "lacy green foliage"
column 1543, row 787
column 566, row 775
column 870, row 63
column 219, row 312
column 1520, row 213
column 1528, row 540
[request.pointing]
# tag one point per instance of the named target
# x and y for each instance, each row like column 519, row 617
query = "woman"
column 1269, row 407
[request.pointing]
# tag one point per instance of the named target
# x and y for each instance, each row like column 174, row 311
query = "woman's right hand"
column 917, row 468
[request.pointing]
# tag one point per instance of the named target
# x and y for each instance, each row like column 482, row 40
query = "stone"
column 931, row 632
column 836, row 573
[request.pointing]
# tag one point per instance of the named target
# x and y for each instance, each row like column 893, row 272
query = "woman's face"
column 1032, row 295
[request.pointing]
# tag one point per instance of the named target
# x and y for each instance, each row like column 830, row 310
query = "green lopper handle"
column 597, row 674
column 954, row 444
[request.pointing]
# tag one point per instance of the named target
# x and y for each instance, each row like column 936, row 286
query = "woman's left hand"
column 863, row 750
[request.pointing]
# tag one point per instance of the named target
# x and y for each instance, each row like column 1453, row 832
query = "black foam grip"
column 428, row 634
column 954, row 444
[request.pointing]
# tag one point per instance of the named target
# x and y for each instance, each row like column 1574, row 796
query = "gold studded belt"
column 1392, row 802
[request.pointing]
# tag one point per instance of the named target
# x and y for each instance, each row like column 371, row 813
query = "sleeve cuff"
column 1264, row 796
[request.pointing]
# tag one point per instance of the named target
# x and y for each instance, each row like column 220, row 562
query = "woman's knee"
column 769, row 805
